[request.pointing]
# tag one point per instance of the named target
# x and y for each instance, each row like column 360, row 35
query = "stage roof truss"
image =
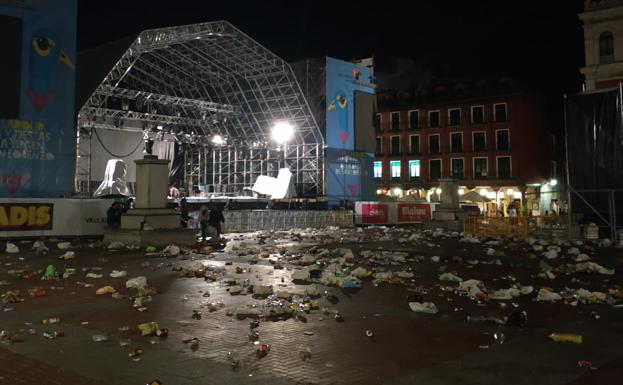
column 208, row 78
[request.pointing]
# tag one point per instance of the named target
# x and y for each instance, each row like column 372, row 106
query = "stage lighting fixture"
column 218, row 140
column 282, row 132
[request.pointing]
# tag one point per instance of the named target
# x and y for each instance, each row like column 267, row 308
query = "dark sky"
column 538, row 42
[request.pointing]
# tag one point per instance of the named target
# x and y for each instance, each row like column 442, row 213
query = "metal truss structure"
column 203, row 80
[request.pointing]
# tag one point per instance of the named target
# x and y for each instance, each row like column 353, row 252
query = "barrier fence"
column 253, row 220
column 553, row 226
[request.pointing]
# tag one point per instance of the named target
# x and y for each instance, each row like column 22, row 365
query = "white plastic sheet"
column 114, row 182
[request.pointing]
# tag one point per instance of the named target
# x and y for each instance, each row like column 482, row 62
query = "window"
column 456, row 142
column 606, row 47
column 414, row 169
column 499, row 112
column 481, row 166
column 434, row 169
column 377, row 122
column 433, row 144
column 454, row 116
column 433, row 119
column 394, row 166
column 395, row 118
column 414, row 144
column 379, row 145
column 395, row 144
column 458, row 168
column 414, row 119
column 502, row 140
column 478, row 114
column 378, row 169
column 504, row 167
column 479, row 141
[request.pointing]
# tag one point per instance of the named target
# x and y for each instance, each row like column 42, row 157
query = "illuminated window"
column 394, row 166
column 378, row 169
column 414, row 169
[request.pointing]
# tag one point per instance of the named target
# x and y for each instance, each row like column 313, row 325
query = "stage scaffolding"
column 198, row 81
column 231, row 169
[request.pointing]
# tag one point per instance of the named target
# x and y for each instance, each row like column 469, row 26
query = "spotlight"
column 438, row 191
column 553, row 182
column 461, row 191
column 282, row 132
column 218, row 140
column 159, row 127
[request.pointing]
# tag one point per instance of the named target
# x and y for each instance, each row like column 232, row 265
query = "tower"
column 603, row 43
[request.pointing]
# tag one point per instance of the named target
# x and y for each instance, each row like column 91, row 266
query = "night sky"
column 539, row 43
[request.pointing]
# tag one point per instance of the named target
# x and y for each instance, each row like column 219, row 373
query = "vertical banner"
column 37, row 136
column 346, row 169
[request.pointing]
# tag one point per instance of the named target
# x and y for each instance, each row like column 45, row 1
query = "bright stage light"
column 553, row 182
column 218, row 140
column 438, row 191
column 461, row 191
column 282, row 132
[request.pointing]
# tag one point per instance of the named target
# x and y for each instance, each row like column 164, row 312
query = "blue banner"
column 37, row 137
column 349, row 176
column 349, row 173
column 343, row 79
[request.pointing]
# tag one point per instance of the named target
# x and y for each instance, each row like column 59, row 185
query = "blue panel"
column 349, row 173
column 37, row 150
column 343, row 79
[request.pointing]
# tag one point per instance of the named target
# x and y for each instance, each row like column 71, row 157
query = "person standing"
column 215, row 219
column 184, row 212
column 204, row 216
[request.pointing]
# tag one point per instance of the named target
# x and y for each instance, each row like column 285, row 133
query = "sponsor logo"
column 413, row 213
column 26, row 216
column 374, row 213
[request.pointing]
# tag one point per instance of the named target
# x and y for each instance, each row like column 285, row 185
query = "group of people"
column 208, row 216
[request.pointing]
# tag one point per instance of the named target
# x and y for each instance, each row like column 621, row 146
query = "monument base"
column 158, row 238
column 447, row 219
column 141, row 219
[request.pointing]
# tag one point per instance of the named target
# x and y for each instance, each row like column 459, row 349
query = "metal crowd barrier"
column 496, row 226
column 253, row 220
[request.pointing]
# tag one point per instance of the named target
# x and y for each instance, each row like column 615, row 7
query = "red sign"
column 374, row 213
column 413, row 212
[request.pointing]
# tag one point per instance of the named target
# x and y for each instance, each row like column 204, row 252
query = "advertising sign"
column 37, row 135
column 34, row 217
column 26, row 216
column 413, row 212
column 374, row 213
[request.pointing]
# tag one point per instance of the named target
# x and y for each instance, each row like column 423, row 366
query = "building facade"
column 603, row 43
column 497, row 145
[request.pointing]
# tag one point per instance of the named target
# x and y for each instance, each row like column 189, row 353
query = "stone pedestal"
column 151, row 222
column 448, row 214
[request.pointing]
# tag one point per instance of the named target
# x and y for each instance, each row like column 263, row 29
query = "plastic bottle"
column 565, row 337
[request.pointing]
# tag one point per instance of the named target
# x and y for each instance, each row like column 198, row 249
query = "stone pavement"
column 407, row 347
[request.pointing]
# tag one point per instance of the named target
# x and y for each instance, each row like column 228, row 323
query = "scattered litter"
column 564, row 337
column 423, row 307
column 118, row 274
column 11, row 248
